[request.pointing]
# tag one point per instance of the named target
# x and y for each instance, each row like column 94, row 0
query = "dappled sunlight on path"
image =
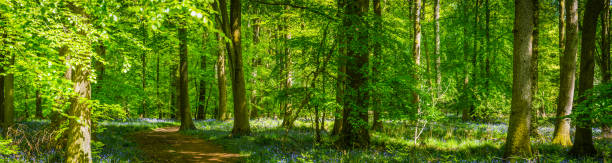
column 168, row 145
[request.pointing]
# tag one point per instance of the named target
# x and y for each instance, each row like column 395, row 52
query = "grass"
column 440, row 142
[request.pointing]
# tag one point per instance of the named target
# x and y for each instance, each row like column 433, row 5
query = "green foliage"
column 7, row 147
column 596, row 109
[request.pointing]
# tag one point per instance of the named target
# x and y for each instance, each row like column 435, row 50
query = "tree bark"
column 377, row 124
column 201, row 113
column 222, row 101
column 255, row 62
column 224, row 47
column 3, row 58
column 561, row 135
column 143, row 59
column 604, row 65
column 355, row 115
column 183, row 97
column 341, row 72
column 534, row 68
column 241, row 112
column 39, row 113
column 79, row 129
column 173, row 92
column 100, row 69
column 158, row 101
column 437, row 47
column 583, row 139
column 8, row 105
column 517, row 142
column 78, row 135
column 487, row 48
column 464, row 97
column 416, row 53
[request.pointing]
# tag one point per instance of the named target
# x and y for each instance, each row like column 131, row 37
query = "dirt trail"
column 168, row 145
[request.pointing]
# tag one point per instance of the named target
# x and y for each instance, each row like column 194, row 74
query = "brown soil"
column 168, row 145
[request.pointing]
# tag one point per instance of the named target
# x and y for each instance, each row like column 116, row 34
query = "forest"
column 305, row 81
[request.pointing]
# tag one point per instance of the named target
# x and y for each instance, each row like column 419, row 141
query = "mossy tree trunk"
column 241, row 112
column 355, row 132
column 561, row 135
column 583, row 139
column 183, row 96
column 517, row 141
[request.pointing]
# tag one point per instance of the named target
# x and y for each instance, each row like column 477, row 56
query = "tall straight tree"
column 241, row 112
column 8, row 105
column 183, row 83
column 377, row 123
column 201, row 113
column 143, row 59
column 222, row 88
column 437, row 47
column 39, row 114
column 355, row 114
column 561, row 135
column 3, row 57
column 416, row 51
column 340, row 86
column 534, row 66
column 517, row 141
column 222, row 21
column 487, row 47
column 78, row 144
column 604, row 64
column 583, row 139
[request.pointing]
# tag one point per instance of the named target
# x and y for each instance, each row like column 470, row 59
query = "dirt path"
column 167, row 145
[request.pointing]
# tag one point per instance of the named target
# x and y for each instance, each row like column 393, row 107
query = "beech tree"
column 583, row 139
column 568, row 71
column 517, row 142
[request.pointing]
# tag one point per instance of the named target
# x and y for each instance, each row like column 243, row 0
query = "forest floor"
column 168, row 145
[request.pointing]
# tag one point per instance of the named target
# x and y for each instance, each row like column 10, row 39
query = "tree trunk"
column 3, row 58
column 583, row 139
column 158, row 101
column 8, row 105
column 604, row 65
column 224, row 47
column 416, row 53
column 222, row 105
column 100, row 69
column 377, row 50
column 144, row 73
column 183, row 97
column 39, row 114
column 255, row 62
column 466, row 95
column 201, row 113
column 173, row 92
column 517, row 142
column 78, row 133
column 26, row 107
column 534, row 69
column 287, row 77
column 487, row 49
column 241, row 112
column 355, row 115
column 561, row 135
column 437, row 47
column 341, row 72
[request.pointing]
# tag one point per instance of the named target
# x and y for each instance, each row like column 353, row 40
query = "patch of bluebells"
column 116, row 147
column 269, row 142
